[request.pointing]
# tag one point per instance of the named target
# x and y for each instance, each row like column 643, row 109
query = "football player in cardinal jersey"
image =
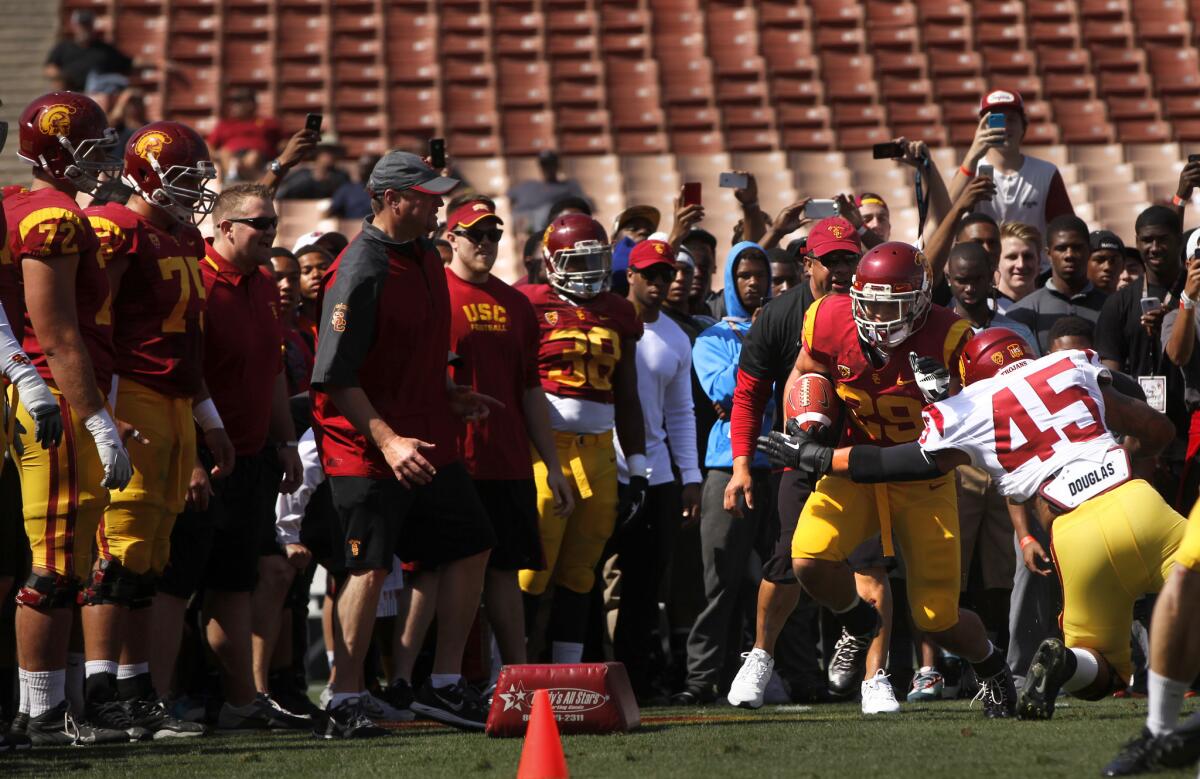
column 587, row 364
column 867, row 344
column 1043, row 429
column 151, row 251
column 66, row 139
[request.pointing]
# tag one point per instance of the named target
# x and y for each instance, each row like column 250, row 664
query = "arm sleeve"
column 347, row 328
column 1109, row 327
column 716, row 364
column 680, row 419
column 289, row 509
column 906, row 462
column 749, row 402
column 1058, row 202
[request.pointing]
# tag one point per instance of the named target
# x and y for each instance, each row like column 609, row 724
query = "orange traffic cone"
column 542, row 754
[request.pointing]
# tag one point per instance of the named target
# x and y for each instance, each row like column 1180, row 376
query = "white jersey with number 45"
column 1025, row 425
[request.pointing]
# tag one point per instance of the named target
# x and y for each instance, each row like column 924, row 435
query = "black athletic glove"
column 932, row 377
column 633, row 497
column 797, row 450
column 48, row 424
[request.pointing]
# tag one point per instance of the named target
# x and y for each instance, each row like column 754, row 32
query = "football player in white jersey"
column 1043, row 430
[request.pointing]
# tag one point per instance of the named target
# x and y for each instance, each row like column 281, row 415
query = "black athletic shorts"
column 793, row 491
column 320, row 531
column 218, row 548
column 433, row 524
column 14, row 544
column 511, row 505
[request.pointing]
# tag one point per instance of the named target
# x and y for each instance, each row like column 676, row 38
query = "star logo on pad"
column 517, row 697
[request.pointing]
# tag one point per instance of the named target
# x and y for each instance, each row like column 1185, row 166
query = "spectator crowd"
column 560, row 470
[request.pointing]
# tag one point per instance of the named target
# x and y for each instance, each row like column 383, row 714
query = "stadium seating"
column 675, row 81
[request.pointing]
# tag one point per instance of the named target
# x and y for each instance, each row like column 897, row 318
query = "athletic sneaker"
column 1047, row 672
column 396, row 701
column 1137, row 756
column 261, row 714
column 998, row 694
column 453, row 704
column 695, row 696
column 348, row 721
column 750, row 684
column 57, row 727
column 114, row 715
column 877, row 695
column 927, row 685
column 1181, row 747
column 281, row 718
column 154, row 717
column 20, row 722
column 380, row 710
column 849, row 661
column 294, row 701
column 10, row 741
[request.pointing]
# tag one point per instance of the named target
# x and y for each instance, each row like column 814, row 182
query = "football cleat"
column 849, row 661
column 348, row 721
column 751, row 681
column 453, row 704
column 1047, row 672
column 878, row 696
column 927, row 685
column 1138, row 756
column 1180, row 748
column 56, row 727
column 999, row 695
column 115, row 715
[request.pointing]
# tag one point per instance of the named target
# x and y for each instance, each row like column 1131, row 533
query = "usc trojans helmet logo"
column 1015, row 351
column 56, row 120
column 151, row 143
column 998, row 358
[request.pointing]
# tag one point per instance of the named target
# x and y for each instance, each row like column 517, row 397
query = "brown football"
column 813, row 403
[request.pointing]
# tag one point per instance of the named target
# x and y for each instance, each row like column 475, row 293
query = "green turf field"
column 940, row 739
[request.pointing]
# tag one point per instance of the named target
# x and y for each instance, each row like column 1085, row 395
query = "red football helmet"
column 891, row 294
column 577, row 254
column 993, row 349
column 67, row 136
column 168, row 164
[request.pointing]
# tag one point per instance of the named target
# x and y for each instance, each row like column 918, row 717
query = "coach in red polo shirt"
column 231, row 522
column 386, row 422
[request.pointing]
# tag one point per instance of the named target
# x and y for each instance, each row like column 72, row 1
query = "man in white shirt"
column 1028, row 189
column 643, row 538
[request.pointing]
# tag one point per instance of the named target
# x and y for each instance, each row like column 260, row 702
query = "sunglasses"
column 477, row 236
column 257, row 222
column 657, row 274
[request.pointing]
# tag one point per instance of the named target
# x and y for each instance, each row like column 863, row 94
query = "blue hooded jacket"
column 715, row 361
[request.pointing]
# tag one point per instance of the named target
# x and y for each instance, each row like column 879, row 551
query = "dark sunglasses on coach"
column 258, row 222
column 477, row 236
column 658, row 274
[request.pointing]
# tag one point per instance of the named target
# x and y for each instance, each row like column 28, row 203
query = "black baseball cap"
column 1106, row 239
column 400, row 170
column 702, row 235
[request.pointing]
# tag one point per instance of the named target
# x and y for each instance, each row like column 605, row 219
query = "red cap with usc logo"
column 468, row 214
column 651, row 252
column 833, row 234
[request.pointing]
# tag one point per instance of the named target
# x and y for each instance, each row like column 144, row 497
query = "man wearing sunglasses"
column 229, row 522
column 386, row 419
column 643, row 540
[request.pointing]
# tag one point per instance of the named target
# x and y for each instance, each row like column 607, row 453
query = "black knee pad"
column 48, row 592
column 110, row 583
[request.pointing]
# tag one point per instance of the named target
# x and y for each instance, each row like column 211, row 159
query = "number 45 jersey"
column 158, row 308
column 1023, row 426
column 580, row 344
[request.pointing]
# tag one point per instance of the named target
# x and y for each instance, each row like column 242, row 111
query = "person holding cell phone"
column 1028, row 189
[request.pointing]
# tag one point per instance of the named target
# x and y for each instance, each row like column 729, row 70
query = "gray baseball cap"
column 402, row 170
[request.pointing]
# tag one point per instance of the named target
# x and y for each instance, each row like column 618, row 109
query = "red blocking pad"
column 586, row 698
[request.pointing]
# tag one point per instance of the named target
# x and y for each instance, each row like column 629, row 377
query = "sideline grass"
column 931, row 740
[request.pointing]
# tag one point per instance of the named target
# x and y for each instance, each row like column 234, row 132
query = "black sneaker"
column 281, row 718
column 395, row 702
column 1181, row 747
column 1137, row 756
column 294, row 702
column 453, row 704
column 999, row 695
column 10, row 741
column 20, row 722
column 114, row 715
column 348, row 721
column 154, row 717
column 695, row 696
column 849, row 662
column 57, row 727
column 1047, row 672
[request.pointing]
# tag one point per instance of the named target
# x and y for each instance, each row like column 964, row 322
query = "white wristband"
column 1187, row 303
column 205, row 414
column 636, row 464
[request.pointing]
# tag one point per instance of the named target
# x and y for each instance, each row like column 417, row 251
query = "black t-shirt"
column 76, row 62
column 773, row 343
column 1120, row 337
